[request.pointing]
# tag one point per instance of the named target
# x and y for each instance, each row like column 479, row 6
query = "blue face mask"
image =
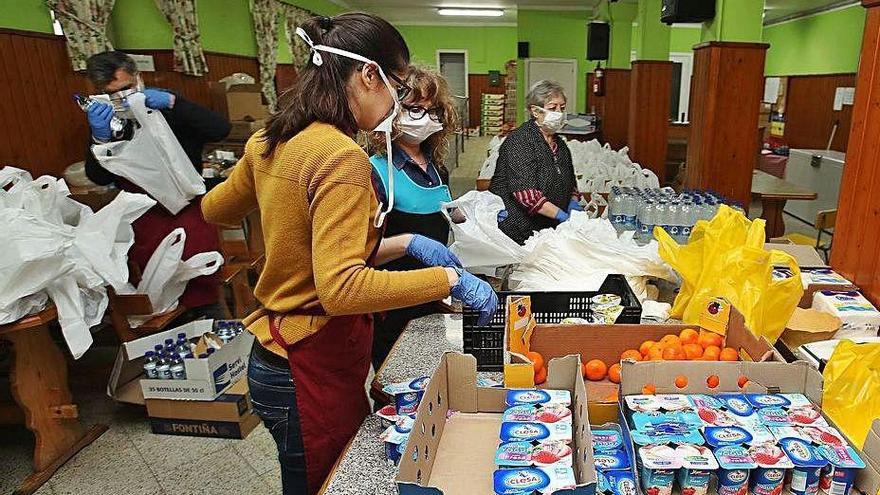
column 384, row 127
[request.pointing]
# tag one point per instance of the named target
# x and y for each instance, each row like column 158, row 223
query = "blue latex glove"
column 477, row 295
column 158, row 99
column 574, row 205
column 431, row 252
column 99, row 115
column 502, row 215
column 561, row 215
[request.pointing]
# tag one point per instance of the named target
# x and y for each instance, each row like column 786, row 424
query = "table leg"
column 772, row 213
column 39, row 386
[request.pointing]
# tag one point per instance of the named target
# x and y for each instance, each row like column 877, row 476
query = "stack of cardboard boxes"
column 243, row 105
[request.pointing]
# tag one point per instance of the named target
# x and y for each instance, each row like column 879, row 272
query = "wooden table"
column 773, row 193
column 39, row 386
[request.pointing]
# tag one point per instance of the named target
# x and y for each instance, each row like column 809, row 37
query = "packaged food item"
column 607, row 315
column 734, row 469
column 535, row 432
column 699, row 401
column 611, row 460
column 768, row 477
column 388, row 415
column 660, row 435
column 807, row 465
column 737, row 404
column 395, row 438
column 605, row 300
column 697, row 466
column 575, row 321
column 720, row 436
column 806, row 415
column 525, row 481
column 716, row 417
column 538, row 397
column 759, row 401
column 407, row 395
column 607, row 437
column 844, row 464
column 530, row 413
column 674, row 402
column 670, row 421
column 824, row 435
column 774, row 416
column 642, row 403
column 658, row 465
column 524, row 454
column 620, row 482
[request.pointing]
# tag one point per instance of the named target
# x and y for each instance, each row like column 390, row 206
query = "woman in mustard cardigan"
column 315, row 192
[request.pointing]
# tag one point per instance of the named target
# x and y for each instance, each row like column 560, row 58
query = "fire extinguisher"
column 599, row 80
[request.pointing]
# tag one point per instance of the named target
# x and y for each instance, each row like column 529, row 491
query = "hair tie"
column 316, row 57
column 325, row 22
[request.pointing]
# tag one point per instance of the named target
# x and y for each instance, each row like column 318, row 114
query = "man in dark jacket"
column 115, row 74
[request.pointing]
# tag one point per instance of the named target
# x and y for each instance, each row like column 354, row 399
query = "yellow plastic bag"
column 725, row 257
column 851, row 396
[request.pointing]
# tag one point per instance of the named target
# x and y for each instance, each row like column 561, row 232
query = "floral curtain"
column 188, row 55
column 265, row 16
column 293, row 18
column 85, row 27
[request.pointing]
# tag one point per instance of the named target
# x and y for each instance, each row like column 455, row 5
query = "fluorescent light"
column 472, row 12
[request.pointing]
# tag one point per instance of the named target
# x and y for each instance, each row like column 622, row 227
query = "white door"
column 686, row 60
column 563, row 71
column 453, row 65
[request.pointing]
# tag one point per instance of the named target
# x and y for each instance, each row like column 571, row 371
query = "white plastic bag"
column 479, row 243
column 153, row 159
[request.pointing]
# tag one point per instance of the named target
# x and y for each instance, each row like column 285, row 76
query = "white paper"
column 843, row 96
column 771, row 89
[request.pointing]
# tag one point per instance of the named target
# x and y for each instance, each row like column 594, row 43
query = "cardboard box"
column 607, row 342
column 239, row 102
column 128, row 384
column 242, row 130
column 808, row 259
column 206, row 428
column 794, row 378
column 457, row 456
column 230, row 406
column 809, row 325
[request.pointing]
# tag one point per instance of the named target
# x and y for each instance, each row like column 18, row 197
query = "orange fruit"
column 712, row 381
column 536, row 359
column 649, row 389
column 540, row 376
column 674, row 353
column 631, row 354
column 655, row 354
column 612, row 397
column 646, row 346
column 707, row 339
column 681, row 381
column 742, row 381
column 712, row 353
column 614, row 373
column 670, row 340
column 728, row 354
column 595, row 370
column 693, row 351
column 689, row 336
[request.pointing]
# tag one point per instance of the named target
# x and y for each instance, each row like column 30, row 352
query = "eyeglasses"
column 416, row 112
column 403, row 90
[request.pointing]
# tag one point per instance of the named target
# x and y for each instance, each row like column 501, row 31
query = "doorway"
column 453, row 65
column 563, row 71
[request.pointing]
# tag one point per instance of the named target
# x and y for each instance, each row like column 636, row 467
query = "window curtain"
column 265, row 16
column 85, row 27
column 188, row 55
column 293, row 18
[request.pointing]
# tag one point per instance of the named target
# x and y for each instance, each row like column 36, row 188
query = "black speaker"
column 522, row 49
column 598, row 39
column 687, row 11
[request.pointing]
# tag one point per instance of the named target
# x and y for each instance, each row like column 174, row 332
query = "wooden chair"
column 825, row 221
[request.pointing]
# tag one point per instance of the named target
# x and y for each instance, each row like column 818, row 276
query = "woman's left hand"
column 431, row 252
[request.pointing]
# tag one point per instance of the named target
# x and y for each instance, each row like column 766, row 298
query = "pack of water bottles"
column 640, row 210
column 196, row 361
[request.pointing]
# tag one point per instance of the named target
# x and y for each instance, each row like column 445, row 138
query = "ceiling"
column 425, row 11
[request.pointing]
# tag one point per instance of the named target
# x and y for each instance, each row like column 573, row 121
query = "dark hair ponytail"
column 319, row 94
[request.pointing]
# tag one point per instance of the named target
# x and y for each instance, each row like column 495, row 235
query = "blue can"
column 767, row 481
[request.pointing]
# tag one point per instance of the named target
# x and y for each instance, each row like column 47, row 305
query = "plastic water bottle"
column 169, row 346
column 86, row 102
column 647, row 220
column 178, row 371
column 182, row 346
column 686, row 214
column 163, row 368
column 672, row 221
column 615, row 209
column 661, row 215
column 150, row 365
column 628, row 210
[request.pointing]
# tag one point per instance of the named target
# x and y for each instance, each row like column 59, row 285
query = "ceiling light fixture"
column 472, row 12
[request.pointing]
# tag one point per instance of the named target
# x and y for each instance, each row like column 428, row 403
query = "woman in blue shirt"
column 427, row 118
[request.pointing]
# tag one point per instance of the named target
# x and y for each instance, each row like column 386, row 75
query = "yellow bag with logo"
column 725, row 257
column 851, row 396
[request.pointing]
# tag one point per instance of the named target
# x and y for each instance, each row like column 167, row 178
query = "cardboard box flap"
column 805, row 256
column 869, row 478
column 137, row 348
column 461, row 370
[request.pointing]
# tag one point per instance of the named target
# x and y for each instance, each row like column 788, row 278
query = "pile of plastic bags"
column 56, row 248
column 597, row 168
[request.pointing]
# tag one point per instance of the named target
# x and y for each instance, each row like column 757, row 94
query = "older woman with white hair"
column 534, row 174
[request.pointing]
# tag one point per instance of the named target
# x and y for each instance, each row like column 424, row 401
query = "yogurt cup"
column 716, row 417
column 735, row 467
column 774, row 416
column 642, row 403
column 621, row 482
column 704, row 400
column 388, row 415
column 807, row 465
column 605, row 300
column 824, row 435
column 767, row 481
column 407, row 395
column 535, row 432
column 538, row 397
column 674, row 402
column 606, row 315
column 737, row 404
column 530, row 413
column 525, row 454
column 697, row 466
column 614, row 460
column 395, row 438
column 524, row 481
column 720, row 436
column 844, row 464
column 759, row 401
column 607, row 438
column 658, row 467
column 806, row 415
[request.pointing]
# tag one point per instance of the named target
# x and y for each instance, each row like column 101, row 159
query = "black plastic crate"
column 486, row 343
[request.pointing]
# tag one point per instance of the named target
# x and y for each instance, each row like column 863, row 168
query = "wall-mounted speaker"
column 522, row 49
column 598, row 40
column 687, row 11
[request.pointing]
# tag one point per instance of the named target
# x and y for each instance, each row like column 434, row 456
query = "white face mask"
column 417, row 130
column 553, row 121
column 385, row 126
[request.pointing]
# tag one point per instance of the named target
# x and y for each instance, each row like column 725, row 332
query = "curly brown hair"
column 427, row 84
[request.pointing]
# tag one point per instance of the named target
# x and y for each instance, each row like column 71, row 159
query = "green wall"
column 681, row 39
column 824, row 44
column 735, row 20
column 489, row 47
column 555, row 34
column 28, row 15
